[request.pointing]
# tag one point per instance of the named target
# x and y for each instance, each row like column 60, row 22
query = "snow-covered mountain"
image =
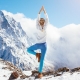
column 13, row 44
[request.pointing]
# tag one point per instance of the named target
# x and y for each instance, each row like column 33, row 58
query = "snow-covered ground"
column 65, row 76
column 5, row 74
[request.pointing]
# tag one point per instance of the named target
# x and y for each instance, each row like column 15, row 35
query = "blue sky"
column 60, row 12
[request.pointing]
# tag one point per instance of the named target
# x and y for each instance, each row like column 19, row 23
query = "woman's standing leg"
column 43, row 51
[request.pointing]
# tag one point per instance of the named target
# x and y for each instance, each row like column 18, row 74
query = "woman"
column 41, row 25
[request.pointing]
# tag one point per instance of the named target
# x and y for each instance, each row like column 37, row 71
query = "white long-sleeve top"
column 41, row 33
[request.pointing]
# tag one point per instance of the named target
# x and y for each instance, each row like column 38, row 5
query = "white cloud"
column 63, row 43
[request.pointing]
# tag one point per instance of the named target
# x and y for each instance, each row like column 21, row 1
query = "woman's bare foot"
column 38, row 55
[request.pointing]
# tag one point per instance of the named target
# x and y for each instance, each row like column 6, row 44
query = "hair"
column 42, row 19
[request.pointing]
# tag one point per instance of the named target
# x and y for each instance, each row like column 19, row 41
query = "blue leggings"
column 42, row 47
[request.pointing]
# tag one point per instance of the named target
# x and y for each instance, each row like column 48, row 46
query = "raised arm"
column 41, row 9
column 46, row 16
column 44, row 9
column 38, row 18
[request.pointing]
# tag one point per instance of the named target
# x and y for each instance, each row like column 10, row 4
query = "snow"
column 4, row 74
column 65, row 76
column 28, row 73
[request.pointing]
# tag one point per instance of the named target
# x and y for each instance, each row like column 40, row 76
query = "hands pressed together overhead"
column 42, row 9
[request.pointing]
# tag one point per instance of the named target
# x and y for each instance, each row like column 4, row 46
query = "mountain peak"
column 3, row 22
column 1, row 13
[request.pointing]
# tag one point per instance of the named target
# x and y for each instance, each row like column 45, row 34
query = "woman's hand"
column 41, row 9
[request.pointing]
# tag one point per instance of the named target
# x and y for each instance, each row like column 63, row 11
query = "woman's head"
column 42, row 21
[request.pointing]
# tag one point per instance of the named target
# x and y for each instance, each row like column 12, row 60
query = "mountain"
column 13, row 44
